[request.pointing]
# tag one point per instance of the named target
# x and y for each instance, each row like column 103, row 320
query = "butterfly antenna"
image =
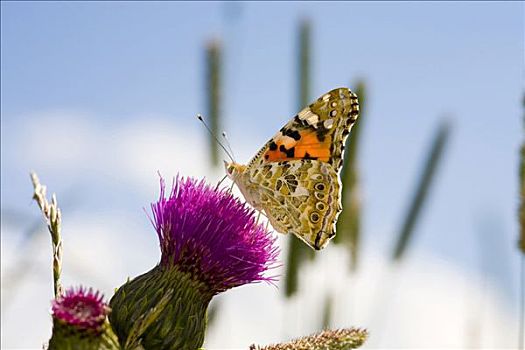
column 215, row 137
column 228, row 144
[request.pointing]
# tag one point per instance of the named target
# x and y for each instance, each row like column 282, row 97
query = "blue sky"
column 119, row 63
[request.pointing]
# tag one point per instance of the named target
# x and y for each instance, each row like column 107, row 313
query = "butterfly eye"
column 232, row 170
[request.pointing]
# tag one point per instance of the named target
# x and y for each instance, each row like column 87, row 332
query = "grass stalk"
column 53, row 217
column 422, row 190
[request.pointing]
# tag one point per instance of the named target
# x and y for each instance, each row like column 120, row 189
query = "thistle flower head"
column 211, row 235
column 80, row 308
column 209, row 242
column 80, row 322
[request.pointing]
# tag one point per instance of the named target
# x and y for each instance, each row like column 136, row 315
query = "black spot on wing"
column 308, row 156
column 299, row 121
column 317, row 240
column 273, row 146
column 321, row 132
column 293, row 134
column 290, row 153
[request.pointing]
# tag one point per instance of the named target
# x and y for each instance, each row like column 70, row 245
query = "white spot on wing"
column 300, row 191
column 328, row 123
column 310, row 117
column 287, row 141
column 313, row 119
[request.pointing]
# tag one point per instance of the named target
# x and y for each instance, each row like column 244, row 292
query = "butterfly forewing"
column 316, row 132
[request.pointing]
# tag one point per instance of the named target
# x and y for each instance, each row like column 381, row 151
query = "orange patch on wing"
column 307, row 147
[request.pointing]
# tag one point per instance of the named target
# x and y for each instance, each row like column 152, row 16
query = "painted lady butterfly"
column 294, row 179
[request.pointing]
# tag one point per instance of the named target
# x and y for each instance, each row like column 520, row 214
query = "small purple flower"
column 210, row 234
column 80, row 322
column 81, row 308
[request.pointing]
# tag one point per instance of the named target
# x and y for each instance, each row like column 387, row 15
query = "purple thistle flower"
column 210, row 242
column 210, row 234
column 81, row 308
column 80, row 322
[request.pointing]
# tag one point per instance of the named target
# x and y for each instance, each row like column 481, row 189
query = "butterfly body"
column 294, row 178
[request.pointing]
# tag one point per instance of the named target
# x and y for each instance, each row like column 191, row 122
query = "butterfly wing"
column 295, row 176
column 317, row 132
column 299, row 197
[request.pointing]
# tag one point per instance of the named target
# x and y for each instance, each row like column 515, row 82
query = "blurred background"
column 99, row 97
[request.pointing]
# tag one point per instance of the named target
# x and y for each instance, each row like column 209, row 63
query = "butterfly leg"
column 220, row 182
column 259, row 214
column 262, row 213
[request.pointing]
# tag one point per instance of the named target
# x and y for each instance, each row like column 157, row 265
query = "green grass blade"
column 213, row 96
column 305, row 38
column 298, row 251
column 328, row 311
column 349, row 224
column 521, row 242
column 422, row 190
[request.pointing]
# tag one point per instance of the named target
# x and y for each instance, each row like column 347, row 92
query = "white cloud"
column 158, row 144
column 69, row 143
column 427, row 304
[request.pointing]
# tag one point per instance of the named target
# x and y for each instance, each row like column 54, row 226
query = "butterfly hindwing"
column 300, row 197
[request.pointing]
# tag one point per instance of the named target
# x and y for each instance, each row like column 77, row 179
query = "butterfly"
column 294, row 180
